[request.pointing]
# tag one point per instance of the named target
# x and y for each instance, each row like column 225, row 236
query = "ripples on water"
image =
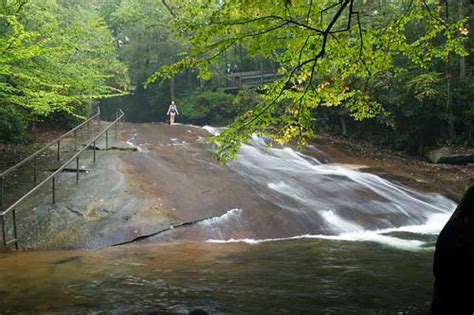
column 308, row 276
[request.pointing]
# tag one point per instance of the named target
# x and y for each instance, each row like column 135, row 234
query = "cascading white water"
column 217, row 226
column 332, row 201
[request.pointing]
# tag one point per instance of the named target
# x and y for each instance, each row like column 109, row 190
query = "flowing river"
column 322, row 239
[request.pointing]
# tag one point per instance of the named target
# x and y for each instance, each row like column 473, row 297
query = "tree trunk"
column 274, row 70
column 343, row 125
column 449, row 103
column 189, row 80
column 172, row 89
column 241, row 55
column 449, row 96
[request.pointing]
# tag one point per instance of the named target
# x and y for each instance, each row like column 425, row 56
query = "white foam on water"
column 233, row 213
column 369, row 236
column 220, row 227
column 188, row 125
column 131, row 140
column 339, row 223
column 409, row 245
column 403, row 244
column 250, row 241
column 432, row 226
column 287, row 190
column 212, row 130
column 305, row 187
column 306, row 183
column 139, row 148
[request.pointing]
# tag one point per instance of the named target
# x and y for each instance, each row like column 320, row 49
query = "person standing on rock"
column 172, row 112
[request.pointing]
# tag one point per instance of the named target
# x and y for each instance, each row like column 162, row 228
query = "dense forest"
column 396, row 73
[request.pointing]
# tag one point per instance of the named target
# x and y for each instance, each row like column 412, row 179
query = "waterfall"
column 332, row 201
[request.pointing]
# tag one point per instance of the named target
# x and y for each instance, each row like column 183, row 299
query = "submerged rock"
column 453, row 265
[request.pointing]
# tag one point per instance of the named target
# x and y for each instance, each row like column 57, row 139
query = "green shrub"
column 214, row 107
column 13, row 123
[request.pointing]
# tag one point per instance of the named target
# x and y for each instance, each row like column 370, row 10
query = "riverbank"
column 448, row 180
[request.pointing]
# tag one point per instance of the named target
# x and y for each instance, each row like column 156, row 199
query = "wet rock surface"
column 176, row 163
column 171, row 180
column 158, row 178
column 103, row 208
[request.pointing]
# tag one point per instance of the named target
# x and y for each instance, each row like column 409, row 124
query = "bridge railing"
column 52, row 177
column 237, row 80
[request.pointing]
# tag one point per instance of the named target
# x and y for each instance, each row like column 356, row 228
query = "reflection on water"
column 309, row 276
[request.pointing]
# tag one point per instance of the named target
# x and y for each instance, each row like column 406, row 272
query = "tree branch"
column 314, row 60
column 169, row 8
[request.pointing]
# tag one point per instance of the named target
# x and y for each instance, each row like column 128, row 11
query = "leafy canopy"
column 55, row 58
column 331, row 53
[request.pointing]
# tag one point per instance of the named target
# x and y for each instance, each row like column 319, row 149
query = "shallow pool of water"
column 315, row 276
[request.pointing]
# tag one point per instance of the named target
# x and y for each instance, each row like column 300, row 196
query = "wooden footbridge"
column 249, row 79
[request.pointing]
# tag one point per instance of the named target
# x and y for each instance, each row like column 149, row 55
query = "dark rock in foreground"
column 454, row 261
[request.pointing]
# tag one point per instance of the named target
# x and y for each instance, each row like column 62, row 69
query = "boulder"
column 453, row 265
column 447, row 156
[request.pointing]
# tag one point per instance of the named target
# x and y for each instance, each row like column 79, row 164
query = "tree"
column 145, row 42
column 54, row 58
column 331, row 54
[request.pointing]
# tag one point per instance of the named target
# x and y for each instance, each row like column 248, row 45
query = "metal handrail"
column 52, row 177
column 55, row 141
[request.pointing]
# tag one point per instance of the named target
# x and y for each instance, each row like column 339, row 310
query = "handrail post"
column 35, row 169
column 98, row 122
column 75, row 140
column 77, row 169
column 58, row 154
column 4, row 234
column 2, row 191
column 106, row 139
column 54, row 189
column 116, row 125
column 15, row 234
column 94, row 151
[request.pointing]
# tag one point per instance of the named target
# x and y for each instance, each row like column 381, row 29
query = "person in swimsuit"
column 172, row 111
